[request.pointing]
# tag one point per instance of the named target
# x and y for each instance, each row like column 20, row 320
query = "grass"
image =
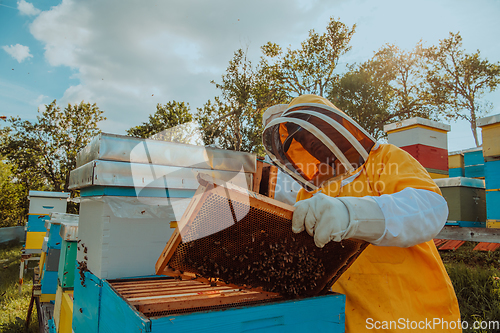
column 476, row 279
column 13, row 306
column 475, row 276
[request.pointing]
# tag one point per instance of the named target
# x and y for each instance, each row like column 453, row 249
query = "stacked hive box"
column 456, row 164
column 425, row 140
column 490, row 127
column 63, row 309
column 466, row 201
column 51, row 255
column 131, row 189
column 42, row 203
column 474, row 163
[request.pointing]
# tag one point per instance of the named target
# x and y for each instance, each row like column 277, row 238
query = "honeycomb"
column 250, row 243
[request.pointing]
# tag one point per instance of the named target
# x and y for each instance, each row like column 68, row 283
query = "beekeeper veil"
column 314, row 141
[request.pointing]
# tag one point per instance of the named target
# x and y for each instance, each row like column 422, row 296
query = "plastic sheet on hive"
column 240, row 237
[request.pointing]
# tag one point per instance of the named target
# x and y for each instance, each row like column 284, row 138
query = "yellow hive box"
column 63, row 309
column 456, row 160
column 437, row 175
column 44, row 298
column 493, row 224
column 66, row 315
column 491, row 140
column 42, row 261
column 34, row 240
column 490, row 127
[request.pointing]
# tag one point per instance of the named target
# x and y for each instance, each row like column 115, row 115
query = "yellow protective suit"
column 393, row 288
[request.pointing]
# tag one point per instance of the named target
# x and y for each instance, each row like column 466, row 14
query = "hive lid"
column 146, row 176
column 237, row 236
column 128, row 149
column 491, row 120
column 460, row 181
column 417, row 121
column 69, row 231
column 59, row 218
column 48, row 194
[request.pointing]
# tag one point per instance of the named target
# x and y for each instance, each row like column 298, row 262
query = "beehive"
column 233, row 235
column 67, row 260
column 426, row 140
column 164, row 304
column 132, row 189
column 42, row 204
column 490, row 130
column 465, row 197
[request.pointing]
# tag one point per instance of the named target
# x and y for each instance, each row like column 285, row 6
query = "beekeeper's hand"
column 328, row 218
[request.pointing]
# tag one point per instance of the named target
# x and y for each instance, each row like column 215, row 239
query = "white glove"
column 327, row 218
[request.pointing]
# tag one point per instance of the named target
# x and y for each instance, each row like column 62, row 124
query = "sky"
column 127, row 56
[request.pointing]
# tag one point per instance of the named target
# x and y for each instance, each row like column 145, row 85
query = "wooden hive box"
column 465, row 197
column 164, row 304
column 490, row 130
column 67, row 260
column 418, row 131
column 132, row 189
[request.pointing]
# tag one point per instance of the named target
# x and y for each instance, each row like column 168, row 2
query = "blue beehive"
column 52, row 249
column 117, row 306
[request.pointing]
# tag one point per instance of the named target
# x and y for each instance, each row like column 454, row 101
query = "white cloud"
column 128, row 56
column 27, row 8
column 18, row 52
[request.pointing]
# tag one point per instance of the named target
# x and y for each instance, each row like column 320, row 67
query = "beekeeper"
column 357, row 188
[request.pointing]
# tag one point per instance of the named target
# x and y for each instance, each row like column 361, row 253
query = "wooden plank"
column 149, row 284
column 273, row 176
column 451, row 245
column 199, row 301
column 490, row 235
column 439, row 242
column 169, row 292
column 257, row 176
column 487, row 247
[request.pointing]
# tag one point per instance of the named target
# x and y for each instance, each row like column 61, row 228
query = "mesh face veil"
column 314, row 141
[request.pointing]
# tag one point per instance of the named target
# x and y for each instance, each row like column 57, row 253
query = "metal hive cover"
column 240, row 237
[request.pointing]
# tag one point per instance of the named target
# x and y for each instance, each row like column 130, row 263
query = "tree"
column 234, row 120
column 387, row 88
column 309, row 69
column 42, row 154
column 458, row 80
column 12, row 197
column 165, row 124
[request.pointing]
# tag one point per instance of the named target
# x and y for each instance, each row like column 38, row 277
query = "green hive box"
column 67, row 260
column 466, row 198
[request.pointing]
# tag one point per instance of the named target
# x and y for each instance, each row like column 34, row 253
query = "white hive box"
column 131, row 189
column 44, row 202
column 418, row 131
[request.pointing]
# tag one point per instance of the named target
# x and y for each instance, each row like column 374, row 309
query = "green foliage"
column 477, row 290
column 458, row 80
column 387, row 88
column 41, row 154
column 14, row 306
column 234, row 119
column 12, row 197
column 309, row 69
column 165, row 123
